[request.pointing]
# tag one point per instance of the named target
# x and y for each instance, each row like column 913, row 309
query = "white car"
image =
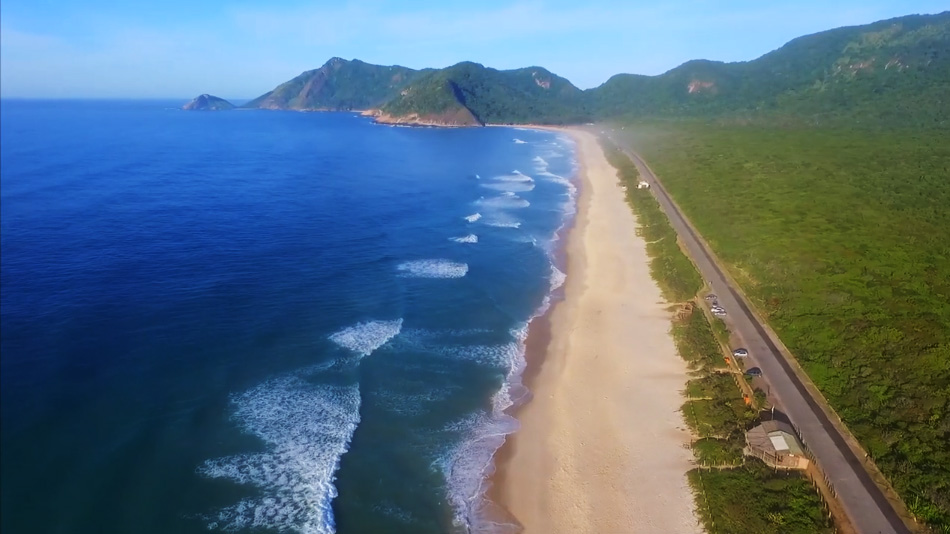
column 740, row 353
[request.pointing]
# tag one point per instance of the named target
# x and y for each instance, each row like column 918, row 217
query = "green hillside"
column 528, row 95
column 892, row 70
column 888, row 72
column 338, row 85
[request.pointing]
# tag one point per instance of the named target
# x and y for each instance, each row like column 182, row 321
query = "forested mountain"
column 896, row 70
column 891, row 69
column 487, row 95
column 339, row 85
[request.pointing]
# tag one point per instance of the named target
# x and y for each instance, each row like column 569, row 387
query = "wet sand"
column 602, row 447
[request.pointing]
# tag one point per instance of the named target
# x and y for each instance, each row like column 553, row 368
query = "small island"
column 208, row 103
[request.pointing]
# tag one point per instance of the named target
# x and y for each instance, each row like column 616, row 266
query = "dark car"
column 753, row 371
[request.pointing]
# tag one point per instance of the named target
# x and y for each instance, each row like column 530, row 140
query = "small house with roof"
column 775, row 443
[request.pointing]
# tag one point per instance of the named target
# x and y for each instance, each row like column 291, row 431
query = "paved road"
column 863, row 501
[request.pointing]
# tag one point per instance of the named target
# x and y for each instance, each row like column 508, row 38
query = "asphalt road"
column 863, row 501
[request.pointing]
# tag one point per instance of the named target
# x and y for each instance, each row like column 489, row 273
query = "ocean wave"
column 433, row 269
column 467, row 466
column 470, row 238
column 503, row 223
column 513, row 187
column 473, row 217
column 518, row 141
column 307, row 429
column 364, row 338
column 503, row 202
column 515, row 176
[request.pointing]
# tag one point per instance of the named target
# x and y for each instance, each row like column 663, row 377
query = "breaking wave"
column 364, row 338
column 473, row 217
column 470, row 238
column 433, row 269
column 503, row 202
column 307, row 429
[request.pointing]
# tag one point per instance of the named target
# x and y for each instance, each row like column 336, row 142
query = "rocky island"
column 208, row 103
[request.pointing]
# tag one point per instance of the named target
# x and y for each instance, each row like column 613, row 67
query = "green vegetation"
column 892, row 71
column 841, row 239
column 670, row 267
column 755, row 499
column 696, row 344
column 339, row 85
column 715, row 408
column 529, row 95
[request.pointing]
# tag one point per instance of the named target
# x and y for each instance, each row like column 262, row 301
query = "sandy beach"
column 602, row 446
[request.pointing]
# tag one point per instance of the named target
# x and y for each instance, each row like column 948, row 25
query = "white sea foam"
column 364, row 338
column 503, row 202
column 307, row 428
column 473, row 217
column 515, row 176
column 467, row 466
column 502, row 222
column 433, row 269
column 519, row 141
column 470, row 238
column 513, row 187
column 557, row 277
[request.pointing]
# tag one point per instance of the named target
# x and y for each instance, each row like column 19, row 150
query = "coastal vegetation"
column 841, row 239
column 756, row 499
column 669, row 266
column 734, row 494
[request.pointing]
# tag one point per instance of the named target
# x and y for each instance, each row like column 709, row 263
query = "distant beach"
column 602, row 446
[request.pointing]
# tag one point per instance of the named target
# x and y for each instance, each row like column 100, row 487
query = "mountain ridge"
column 891, row 70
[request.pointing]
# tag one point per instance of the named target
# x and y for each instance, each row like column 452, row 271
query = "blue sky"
column 180, row 48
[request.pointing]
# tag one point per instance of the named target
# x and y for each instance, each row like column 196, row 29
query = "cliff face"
column 208, row 103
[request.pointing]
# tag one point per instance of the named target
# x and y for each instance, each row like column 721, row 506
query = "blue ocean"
column 260, row 321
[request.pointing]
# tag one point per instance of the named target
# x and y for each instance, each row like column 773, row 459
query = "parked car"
column 753, row 371
column 711, row 296
column 740, row 353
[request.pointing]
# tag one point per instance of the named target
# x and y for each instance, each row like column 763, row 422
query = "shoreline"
column 574, row 465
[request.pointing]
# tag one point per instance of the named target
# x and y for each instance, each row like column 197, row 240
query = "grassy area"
column 841, row 239
column 696, row 344
column 750, row 497
column 754, row 499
